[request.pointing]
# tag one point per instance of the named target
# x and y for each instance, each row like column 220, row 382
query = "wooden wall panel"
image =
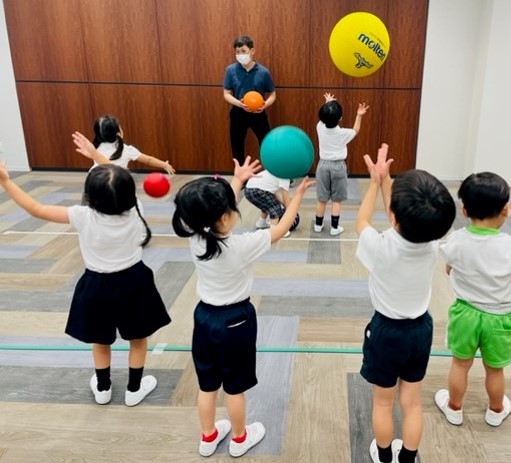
column 291, row 31
column 50, row 114
column 141, row 112
column 406, row 22
column 400, row 126
column 195, row 39
column 121, row 40
column 46, row 40
column 197, row 129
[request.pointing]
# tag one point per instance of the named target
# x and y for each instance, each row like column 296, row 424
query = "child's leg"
column 236, row 409
column 383, row 423
column 336, row 214
column 410, row 403
column 206, row 407
column 138, row 352
column 102, row 355
column 336, row 208
column 320, row 210
column 458, row 380
column 495, row 387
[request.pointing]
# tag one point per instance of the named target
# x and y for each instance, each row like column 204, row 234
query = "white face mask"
column 243, row 59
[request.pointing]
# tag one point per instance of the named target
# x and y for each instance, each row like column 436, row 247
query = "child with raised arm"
column 110, row 146
column 225, row 324
column 400, row 261
column 117, row 291
column 331, row 172
column 478, row 261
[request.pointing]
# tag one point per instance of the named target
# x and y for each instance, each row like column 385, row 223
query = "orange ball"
column 254, row 100
column 156, row 185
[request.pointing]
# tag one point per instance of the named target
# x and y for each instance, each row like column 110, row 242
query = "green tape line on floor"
column 170, row 348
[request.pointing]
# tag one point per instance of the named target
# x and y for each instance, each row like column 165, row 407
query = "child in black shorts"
column 225, row 324
column 400, row 261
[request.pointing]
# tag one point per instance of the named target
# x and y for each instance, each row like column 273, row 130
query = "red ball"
column 156, row 185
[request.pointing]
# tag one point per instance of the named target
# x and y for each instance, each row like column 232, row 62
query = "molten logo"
column 373, row 45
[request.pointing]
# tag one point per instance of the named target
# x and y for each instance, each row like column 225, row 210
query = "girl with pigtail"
column 225, row 324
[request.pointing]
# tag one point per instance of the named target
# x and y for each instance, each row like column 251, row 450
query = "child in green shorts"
column 478, row 261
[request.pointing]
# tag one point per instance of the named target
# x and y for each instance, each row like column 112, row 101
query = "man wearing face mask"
column 241, row 77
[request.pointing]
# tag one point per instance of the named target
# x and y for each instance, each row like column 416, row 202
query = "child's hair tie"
column 217, row 176
column 207, row 229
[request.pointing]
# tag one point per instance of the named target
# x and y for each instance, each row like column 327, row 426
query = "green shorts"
column 469, row 329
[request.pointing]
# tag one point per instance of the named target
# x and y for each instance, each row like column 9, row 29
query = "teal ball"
column 287, row 152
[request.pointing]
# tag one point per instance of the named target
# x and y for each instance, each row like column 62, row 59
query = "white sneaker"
column 396, row 446
column 101, row 397
column 336, row 231
column 287, row 235
column 147, row 385
column 262, row 223
column 207, row 449
column 442, row 402
column 255, row 433
column 496, row 419
column 318, row 228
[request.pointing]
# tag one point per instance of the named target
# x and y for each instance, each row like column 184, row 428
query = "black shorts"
column 127, row 301
column 396, row 349
column 224, row 346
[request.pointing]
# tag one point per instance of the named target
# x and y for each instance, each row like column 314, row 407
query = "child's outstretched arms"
column 34, row 208
column 243, row 172
column 378, row 171
column 279, row 230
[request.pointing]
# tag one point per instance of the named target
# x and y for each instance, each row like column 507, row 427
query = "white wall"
column 465, row 98
column 12, row 141
column 463, row 125
column 493, row 144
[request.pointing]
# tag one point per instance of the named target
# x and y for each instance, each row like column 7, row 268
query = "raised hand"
column 362, row 109
column 329, row 97
column 247, row 170
column 83, row 145
column 379, row 170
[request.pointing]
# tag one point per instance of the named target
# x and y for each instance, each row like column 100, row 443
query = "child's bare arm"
column 41, row 211
column 279, row 230
column 362, row 109
column 156, row 163
column 243, row 173
column 85, row 147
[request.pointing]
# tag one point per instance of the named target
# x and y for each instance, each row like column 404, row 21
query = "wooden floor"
column 313, row 304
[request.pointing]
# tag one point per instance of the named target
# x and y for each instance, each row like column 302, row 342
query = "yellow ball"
column 359, row 44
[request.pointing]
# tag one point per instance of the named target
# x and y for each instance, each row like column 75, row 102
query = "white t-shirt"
column 108, row 243
column 268, row 182
column 228, row 278
column 481, row 269
column 400, row 272
column 333, row 142
column 129, row 153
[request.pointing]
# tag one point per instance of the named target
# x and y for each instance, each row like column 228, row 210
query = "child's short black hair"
column 330, row 113
column 484, row 195
column 242, row 41
column 423, row 207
